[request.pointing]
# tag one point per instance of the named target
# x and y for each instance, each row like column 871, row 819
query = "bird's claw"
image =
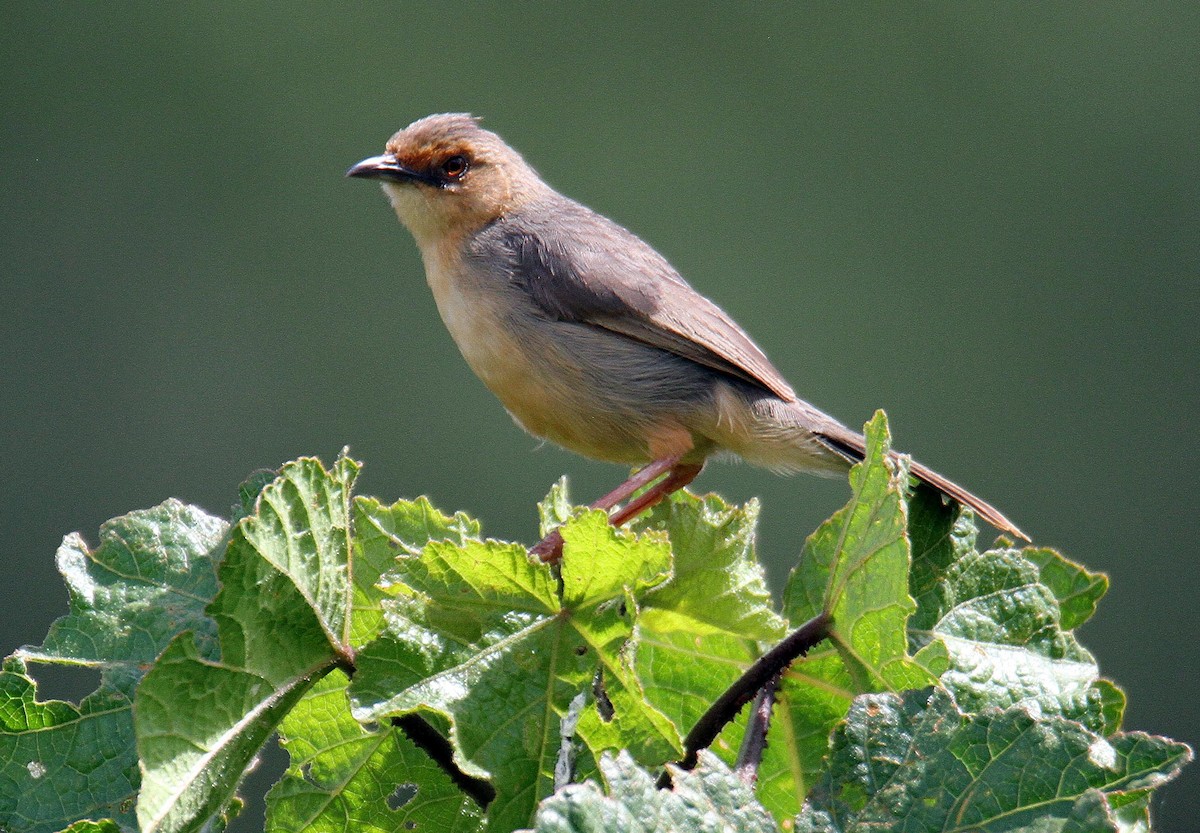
column 549, row 549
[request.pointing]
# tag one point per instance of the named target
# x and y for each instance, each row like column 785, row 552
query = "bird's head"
column 445, row 175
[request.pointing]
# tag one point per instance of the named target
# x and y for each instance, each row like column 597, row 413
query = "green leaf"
column 991, row 624
column 600, row 563
column 249, row 490
column 697, row 632
column 283, row 615
column 199, row 725
column 814, row 695
column 717, row 586
column 60, row 763
column 381, row 533
column 555, row 508
column 463, row 604
column 1131, row 811
column 701, row 630
column 272, row 619
column 301, row 526
column 406, row 526
column 1076, row 590
column 345, row 776
column 150, row 577
column 915, row 762
column 500, row 645
column 682, row 672
column 708, row 798
column 855, row 567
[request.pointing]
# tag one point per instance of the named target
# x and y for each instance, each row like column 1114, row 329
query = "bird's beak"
column 386, row 167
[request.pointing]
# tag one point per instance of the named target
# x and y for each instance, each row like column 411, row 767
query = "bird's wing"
column 579, row 266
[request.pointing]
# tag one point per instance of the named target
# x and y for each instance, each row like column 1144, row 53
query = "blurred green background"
column 984, row 218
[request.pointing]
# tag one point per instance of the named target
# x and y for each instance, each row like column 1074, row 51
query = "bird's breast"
column 476, row 315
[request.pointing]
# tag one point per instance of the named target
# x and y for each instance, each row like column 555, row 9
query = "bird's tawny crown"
column 445, row 173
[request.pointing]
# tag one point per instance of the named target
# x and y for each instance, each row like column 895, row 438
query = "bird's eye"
column 455, row 167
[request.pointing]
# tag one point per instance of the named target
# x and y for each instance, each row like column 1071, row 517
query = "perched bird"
column 588, row 336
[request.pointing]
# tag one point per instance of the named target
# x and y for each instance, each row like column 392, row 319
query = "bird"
column 589, row 337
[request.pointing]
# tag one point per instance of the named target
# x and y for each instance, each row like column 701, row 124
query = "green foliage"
column 283, row 617
column 915, row 762
column 995, row 626
column 708, row 798
column 480, row 631
column 949, row 692
column 347, row 776
column 151, row 577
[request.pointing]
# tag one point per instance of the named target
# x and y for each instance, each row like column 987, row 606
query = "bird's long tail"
column 853, row 447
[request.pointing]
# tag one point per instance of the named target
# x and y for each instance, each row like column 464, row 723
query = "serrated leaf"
column 199, row 725
column 282, row 614
column 855, row 567
column 555, row 508
column 59, row 762
column 380, row 534
column 697, row 632
column 489, row 639
column 605, row 564
column 284, row 572
column 708, row 799
column 936, row 539
column 406, row 526
column 343, row 776
column 701, row 631
column 1130, row 812
column 1076, row 589
column 150, row 577
column 717, row 583
column 301, row 526
column 991, row 624
column 248, row 492
column 915, row 762
column 466, row 606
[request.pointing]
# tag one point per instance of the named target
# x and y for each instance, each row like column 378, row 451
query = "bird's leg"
column 644, row 476
column 678, row 475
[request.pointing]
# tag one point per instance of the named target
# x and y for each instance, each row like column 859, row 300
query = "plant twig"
column 430, row 741
column 754, row 742
column 768, row 666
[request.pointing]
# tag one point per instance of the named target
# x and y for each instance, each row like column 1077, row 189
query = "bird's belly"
column 550, row 404
column 547, row 402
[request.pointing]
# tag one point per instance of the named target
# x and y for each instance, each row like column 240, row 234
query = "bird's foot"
column 549, row 549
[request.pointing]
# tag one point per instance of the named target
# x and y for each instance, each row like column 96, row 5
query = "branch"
column 754, row 742
column 768, row 666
